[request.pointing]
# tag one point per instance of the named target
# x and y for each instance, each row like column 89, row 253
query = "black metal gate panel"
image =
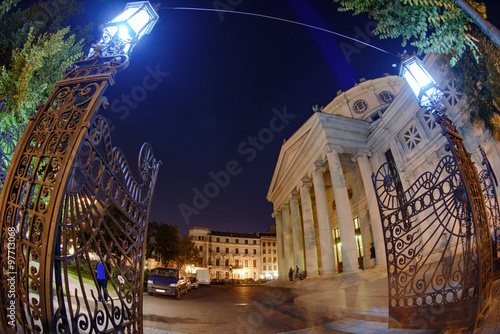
column 68, row 202
column 488, row 181
column 103, row 219
column 436, row 267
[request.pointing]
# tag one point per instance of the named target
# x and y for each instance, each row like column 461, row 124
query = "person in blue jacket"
column 102, row 281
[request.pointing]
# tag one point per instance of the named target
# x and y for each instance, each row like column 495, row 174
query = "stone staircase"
column 342, row 280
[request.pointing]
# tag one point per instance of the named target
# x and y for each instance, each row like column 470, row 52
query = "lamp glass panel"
column 125, row 15
column 420, row 74
column 139, row 21
column 411, row 82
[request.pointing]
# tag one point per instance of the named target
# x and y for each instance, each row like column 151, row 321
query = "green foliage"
column 188, row 252
column 480, row 82
column 164, row 239
column 6, row 5
column 34, row 69
column 433, row 26
column 167, row 242
column 35, row 48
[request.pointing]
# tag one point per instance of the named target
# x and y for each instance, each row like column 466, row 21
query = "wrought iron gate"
column 439, row 272
column 70, row 201
column 488, row 181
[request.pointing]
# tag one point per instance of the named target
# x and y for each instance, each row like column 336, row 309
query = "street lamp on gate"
column 121, row 34
column 468, row 190
column 64, row 155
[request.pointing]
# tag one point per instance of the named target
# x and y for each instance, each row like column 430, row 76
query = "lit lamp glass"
column 420, row 81
column 131, row 25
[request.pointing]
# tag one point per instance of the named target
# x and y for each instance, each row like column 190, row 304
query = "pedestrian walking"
column 297, row 272
column 102, row 280
column 290, row 274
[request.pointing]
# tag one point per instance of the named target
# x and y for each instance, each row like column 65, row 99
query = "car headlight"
column 150, row 281
column 173, row 285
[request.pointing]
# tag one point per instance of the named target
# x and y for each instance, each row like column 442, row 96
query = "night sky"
column 216, row 94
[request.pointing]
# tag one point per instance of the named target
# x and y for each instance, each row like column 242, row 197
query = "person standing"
column 102, row 281
column 290, row 274
column 297, row 272
column 372, row 255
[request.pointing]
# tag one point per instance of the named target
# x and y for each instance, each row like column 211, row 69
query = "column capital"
column 306, row 182
column 332, row 148
column 320, row 166
column 360, row 153
column 295, row 196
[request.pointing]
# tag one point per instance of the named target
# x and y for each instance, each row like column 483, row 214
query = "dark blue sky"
column 216, row 94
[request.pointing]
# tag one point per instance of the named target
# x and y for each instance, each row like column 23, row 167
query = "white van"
column 203, row 277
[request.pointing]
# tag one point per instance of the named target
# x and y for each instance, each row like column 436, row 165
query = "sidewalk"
column 358, row 302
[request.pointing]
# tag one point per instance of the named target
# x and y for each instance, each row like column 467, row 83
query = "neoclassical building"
column 325, row 205
column 235, row 255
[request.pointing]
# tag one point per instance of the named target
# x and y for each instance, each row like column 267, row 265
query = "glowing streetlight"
column 124, row 31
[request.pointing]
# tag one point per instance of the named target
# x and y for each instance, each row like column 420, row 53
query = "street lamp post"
column 436, row 232
column 66, row 189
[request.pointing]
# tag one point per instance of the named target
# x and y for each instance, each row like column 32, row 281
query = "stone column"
column 311, row 252
column 282, row 271
column 344, row 214
column 378, row 235
column 324, row 224
column 297, row 240
column 287, row 236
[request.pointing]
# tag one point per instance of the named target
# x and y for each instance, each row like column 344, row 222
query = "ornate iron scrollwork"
column 488, row 181
column 437, row 242
column 103, row 219
column 8, row 143
column 68, row 194
column 430, row 244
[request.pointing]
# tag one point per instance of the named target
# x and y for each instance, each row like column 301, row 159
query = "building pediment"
column 308, row 144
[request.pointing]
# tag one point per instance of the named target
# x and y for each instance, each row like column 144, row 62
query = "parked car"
column 194, row 282
column 168, row 282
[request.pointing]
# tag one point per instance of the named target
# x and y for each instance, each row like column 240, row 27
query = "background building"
column 324, row 201
column 235, row 255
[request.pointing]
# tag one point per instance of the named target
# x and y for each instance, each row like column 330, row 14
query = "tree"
column 436, row 26
column 167, row 242
column 442, row 27
column 480, row 82
column 35, row 48
column 150, row 240
column 188, row 252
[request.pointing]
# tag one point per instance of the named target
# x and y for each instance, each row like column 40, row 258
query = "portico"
column 322, row 191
